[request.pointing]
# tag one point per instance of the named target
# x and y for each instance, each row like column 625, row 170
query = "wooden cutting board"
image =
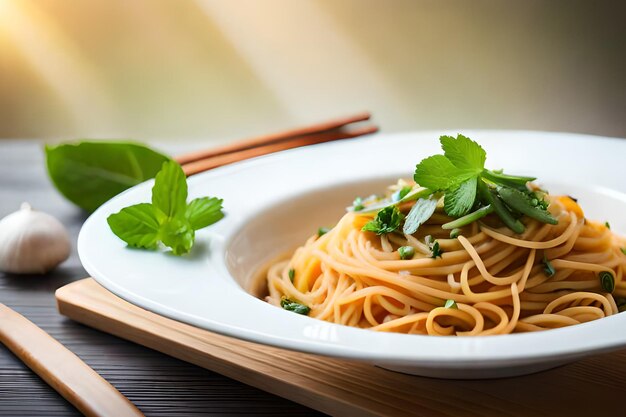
column 342, row 388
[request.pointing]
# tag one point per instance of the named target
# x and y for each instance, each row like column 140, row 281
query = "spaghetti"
column 488, row 280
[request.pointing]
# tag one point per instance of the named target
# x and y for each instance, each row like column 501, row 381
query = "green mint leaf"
column 90, row 173
column 459, row 200
column 421, row 211
column 386, row 221
column 178, row 235
column 463, row 153
column 204, row 211
column 169, row 193
column 136, row 225
column 296, row 307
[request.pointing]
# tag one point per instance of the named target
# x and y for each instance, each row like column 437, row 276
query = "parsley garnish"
column 295, row 306
column 450, row 304
column 436, row 250
column 386, row 221
column 169, row 219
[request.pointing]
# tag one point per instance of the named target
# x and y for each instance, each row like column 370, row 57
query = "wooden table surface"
column 158, row 384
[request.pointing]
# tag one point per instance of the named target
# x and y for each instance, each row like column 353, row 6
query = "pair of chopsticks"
column 342, row 128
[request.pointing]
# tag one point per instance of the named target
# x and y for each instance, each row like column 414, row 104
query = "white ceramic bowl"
column 274, row 203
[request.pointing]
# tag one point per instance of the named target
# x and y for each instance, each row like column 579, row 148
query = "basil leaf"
column 169, row 193
column 136, row 225
column 421, row 211
column 90, row 173
column 205, row 211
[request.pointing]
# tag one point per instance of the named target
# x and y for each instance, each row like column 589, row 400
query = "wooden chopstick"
column 273, row 138
column 202, row 165
column 62, row 369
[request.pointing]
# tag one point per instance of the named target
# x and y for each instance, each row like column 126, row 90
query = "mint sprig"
column 169, row 219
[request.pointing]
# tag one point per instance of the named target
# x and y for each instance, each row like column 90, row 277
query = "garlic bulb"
column 32, row 242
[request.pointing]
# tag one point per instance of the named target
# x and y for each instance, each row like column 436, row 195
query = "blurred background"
column 217, row 70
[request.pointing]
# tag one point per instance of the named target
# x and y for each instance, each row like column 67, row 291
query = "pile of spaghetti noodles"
column 486, row 280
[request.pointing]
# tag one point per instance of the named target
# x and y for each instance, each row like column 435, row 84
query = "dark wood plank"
column 158, row 384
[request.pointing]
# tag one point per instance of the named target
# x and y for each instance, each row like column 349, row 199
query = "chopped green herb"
column 608, row 225
column 623, row 250
column 169, row 219
column 386, row 221
column 548, row 269
column 607, row 282
column 451, row 304
column 406, row 252
column 357, row 204
column 454, row 233
column 421, row 211
column 401, row 193
column 436, row 250
column 322, row 231
column 291, row 274
column 296, row 307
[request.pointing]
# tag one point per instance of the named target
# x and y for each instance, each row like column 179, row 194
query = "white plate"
column 273, row 203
